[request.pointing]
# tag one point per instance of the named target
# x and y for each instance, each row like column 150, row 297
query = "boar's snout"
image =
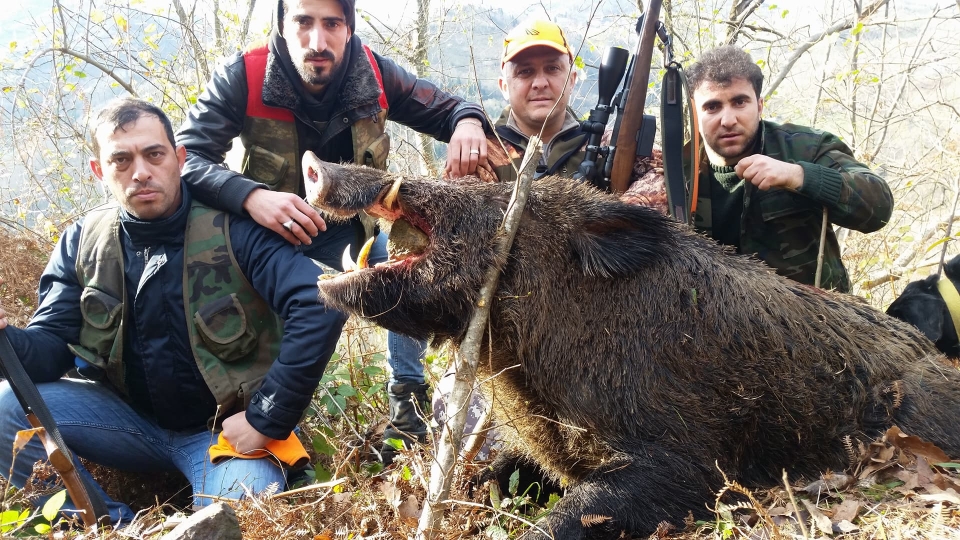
column 314, row 182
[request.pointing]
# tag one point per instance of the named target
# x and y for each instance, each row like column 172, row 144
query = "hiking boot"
column 408, row 401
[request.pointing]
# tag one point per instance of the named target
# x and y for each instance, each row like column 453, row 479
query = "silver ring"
column 475, row 151
column 287, row 225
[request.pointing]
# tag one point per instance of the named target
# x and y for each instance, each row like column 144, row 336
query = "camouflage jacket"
column 782, row 227
column 561, row 156
column 162, row 372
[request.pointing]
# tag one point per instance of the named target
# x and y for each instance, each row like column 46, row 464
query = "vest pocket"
column 264, row 166
column 101, row 321
column 375, row 154
column 224, row 329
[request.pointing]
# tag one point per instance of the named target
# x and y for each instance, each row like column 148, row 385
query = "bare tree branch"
column 199, row 52
column 245, row 29
column 838, row 26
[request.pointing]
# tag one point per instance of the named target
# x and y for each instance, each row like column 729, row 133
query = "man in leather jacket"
column 316, row 87
column 179, row 317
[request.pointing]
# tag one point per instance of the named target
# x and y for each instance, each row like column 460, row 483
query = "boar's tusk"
column 347, row 262
column 365, row 253
column 390, row 200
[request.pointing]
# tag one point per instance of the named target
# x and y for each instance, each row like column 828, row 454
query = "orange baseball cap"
column 534, row 33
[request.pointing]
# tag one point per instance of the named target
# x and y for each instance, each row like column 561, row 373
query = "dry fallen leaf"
column 391, row 492
column 819, row 518
column 24, row 436
column 845, row 526
column 829, row 483
column 410, row 508
column 916, row 446
column 846, row 511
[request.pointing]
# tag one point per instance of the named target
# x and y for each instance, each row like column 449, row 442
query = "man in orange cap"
column 537, row 80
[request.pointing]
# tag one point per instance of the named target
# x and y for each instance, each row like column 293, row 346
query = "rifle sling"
column 78, row 487
column 671, row 122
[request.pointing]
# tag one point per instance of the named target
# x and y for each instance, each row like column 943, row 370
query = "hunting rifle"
column 88, row 500
column 633, row 132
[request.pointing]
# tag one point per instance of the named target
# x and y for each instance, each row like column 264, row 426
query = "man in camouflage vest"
column 315, row 86
column 181, row 320
column 763, row 187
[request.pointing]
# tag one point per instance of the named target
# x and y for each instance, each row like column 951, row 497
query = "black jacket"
column 217, row 117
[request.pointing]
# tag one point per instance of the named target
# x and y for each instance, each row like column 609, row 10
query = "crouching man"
column 180, row 318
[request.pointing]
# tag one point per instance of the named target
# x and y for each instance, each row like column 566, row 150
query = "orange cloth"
column 290, row 451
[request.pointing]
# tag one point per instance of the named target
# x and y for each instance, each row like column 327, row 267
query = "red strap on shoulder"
column 255, row 62
column 376, row 73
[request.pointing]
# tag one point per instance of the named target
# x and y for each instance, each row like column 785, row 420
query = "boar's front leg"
column 633, row 494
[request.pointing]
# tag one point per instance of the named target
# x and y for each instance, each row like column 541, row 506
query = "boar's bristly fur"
column 649, row 357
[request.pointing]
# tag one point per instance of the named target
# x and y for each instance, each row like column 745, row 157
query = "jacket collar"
column 506, row 125
column 282, row 87
column 161, row 231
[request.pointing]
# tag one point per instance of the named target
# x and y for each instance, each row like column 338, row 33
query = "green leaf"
column 397, row 444
column 322, row 446
column 372, row 371
column 406, row 474
column 80, row 74
column 346, row 390
column 11, row 519
column 783, row 14
column 41, row 528
column 857, row 29
column 495, row 495
column 320, row 474
column 514, row 482
column 121, row 22
column 937, row 243
column 53, row 505
column 579, row 62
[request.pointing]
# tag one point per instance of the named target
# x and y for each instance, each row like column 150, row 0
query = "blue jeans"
column 98, row 426
column 404, row 354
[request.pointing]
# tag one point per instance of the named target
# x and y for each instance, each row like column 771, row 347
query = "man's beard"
column 318, row 78
column 741, row 151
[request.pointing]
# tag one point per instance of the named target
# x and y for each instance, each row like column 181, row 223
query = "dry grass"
column 21, row 262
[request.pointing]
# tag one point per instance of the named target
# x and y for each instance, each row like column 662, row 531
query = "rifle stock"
column 634, row 99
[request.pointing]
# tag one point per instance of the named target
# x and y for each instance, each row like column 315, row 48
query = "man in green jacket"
column 767, row 185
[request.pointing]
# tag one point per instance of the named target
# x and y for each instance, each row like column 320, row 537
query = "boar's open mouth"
column 408, row 241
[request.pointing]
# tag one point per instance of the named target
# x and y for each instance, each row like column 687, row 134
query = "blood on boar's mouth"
column 407, row 242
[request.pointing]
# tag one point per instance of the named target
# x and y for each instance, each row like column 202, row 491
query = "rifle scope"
column 612, row 67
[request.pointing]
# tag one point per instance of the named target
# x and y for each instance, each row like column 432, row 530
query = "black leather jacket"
column 218, row 116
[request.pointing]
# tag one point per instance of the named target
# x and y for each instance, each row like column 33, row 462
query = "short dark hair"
column 122, row 111
column 349, row 13
column 722, row 65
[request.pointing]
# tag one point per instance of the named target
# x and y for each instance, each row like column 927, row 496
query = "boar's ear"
column 617, row 239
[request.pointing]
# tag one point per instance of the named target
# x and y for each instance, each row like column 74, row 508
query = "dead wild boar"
column 649, row 357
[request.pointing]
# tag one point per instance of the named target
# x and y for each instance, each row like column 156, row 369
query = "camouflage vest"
column 269, row 135
column 234, row 334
